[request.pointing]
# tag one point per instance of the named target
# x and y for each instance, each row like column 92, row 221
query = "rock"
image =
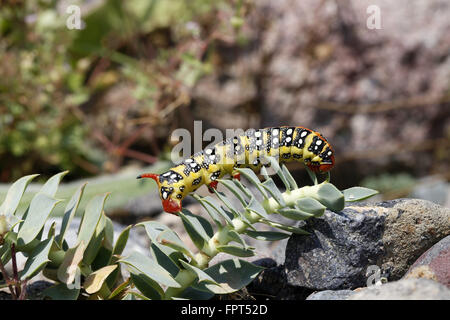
column 405, row 289
column 434, row 264
column 331, row 295
column 390, row 235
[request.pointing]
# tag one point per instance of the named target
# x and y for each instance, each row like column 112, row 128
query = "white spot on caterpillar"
column 258, row 143
column 257, row 134
column 329, row 153
column 275, row 132
column 275, row 140
column 300, row 142
column 208, row 151
column 212, row 157
column 289, row 132
column 173, row 176
column 193, row 164
column 288, row 139
column 303, row 134
column 189, row 160
column 319, row 142
column 164, row 195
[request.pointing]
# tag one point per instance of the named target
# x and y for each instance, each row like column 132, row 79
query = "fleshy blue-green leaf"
column 69, row 212
column 170, row 239
column 330, row 197
column 289, row 178
column 51, row 185
column 150, row 268
column 267, row 235
column 294, row 213
column 358, row 193
column 149, row 288
column 231, row 275
column 251, row 176
column 40, row 208
column 236, row 251
column 164, row 260
column 37, row 259
column 201, row 275
column 121, row 241
column 198, row 228
column 234, row 190
column 311, row 205
column 285, row 227
column 271, row 187
column 15, row 193
column 62, row 292
column 91, row 217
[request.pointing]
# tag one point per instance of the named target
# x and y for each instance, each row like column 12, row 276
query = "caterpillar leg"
column 236, row 175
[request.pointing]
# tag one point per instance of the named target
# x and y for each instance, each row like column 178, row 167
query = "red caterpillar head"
column 170, row 204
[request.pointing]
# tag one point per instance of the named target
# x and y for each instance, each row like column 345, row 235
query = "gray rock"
column 331, row 295
column 434, row 264
column 405, row 289
column 341, row 247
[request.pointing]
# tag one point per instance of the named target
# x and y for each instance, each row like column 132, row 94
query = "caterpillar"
column 246, row 150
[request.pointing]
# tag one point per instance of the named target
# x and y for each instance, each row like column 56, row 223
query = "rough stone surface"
column 405, row 289
column 331, row 295
column 433, row 264
column 389, row 234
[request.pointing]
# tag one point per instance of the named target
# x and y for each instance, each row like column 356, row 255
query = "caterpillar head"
column 325, row 163
column 170, row 202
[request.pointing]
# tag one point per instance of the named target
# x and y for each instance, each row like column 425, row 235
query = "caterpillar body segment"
column 246, row 150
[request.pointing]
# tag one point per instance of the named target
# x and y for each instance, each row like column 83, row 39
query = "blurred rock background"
column 106, row 97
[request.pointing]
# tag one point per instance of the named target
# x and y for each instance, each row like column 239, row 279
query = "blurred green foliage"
column 391, row 185
column 52, row 77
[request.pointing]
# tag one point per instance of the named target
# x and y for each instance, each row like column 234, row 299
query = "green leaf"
column 257, row 208
column 150, row 268
column 311, row 205
column 243, row 188
column 276, row 167
column 212, row 211
column 201, row 275
column 294, row 214
column 170, row 239
column 289, row 177
column 234, row 236
column 51, row 186
column 285, row 227
column 195, row 227
column 95, row 280
column 96, row 241
column 312, row 175
column 253, row 179
column 267, row 235
column 222, row 197
column 121, row 241
column 236, row 251
column 331, row 197
column 234, row 190
column 149, row 288
column 164, row 260
column 91, row 217
column 358, row 194
column 271, row 187
column 69, row 212
column 108, row 241
column 231, row 275
column 67, row 270
column 15, row 193
column 40, row 208
column 62, row 292
column 37, row 259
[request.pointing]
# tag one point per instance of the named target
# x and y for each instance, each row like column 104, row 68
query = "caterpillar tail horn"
column 169, row 205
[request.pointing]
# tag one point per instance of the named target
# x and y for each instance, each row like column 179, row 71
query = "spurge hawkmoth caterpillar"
column 247, row 150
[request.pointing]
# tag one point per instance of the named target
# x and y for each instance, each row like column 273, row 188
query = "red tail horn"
column 153, row 176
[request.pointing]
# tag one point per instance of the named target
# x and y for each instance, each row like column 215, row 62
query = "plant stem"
column 201, row 260
column 7, row 280
column 15, row 273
